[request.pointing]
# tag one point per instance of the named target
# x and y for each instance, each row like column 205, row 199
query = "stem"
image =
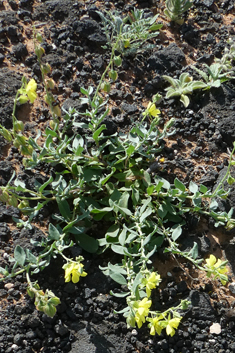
column 227, row 173
column 107, row 68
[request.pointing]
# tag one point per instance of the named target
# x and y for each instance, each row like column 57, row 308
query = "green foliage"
column 217, row 268
column 106, row 194
column 226, row 61
column 215, row 75
column 131, row 32
column 175, row 9
column 182, row 87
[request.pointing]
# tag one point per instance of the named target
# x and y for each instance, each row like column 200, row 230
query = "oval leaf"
column 19, row 255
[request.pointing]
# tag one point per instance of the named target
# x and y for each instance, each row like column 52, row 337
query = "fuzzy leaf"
column 117, row 277
column 176, row 233
column 54, row 234
column 185, row 100
column 179, row 185
column 19, row 255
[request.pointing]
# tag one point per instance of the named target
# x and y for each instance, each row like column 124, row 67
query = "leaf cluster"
column 182, row 87
column 175, row 9
column 130, row 32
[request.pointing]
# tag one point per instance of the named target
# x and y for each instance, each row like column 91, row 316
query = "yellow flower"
column 213, row 265
column 31, row 90
column 141, row 310
column 151, row 110
column 151, row 282
column 217, row 268
column 171, row 325
column 211, row 261
column 28, row 91
column 155, row 325
column 73, row 270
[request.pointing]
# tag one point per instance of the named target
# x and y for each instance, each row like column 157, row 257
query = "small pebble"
column 9, row 286
column 215, row 328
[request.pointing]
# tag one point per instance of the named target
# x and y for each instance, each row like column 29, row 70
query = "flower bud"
column 52, row 124
column 6, row 134
column 22, row 140
column 23, row 204
column 126, row 43
column 56, row 110
column 4, row 196
column 46, row 69
column 12, row 201
column 117, row 61
column 50, row 83
column 113, row 75
column 39, row 37
column 23, row 99
column 106, row 86
column 39, row 51
column 18, row 126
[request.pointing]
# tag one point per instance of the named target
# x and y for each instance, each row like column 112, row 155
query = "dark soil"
column 73, row 35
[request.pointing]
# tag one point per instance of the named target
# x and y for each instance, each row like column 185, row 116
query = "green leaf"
column 130, row 150
column 150, row 190
column 135, row 195
column 124, row 210
column 77, row 142
column 98, row 214
column 97, row 133
column 230, row 180
column 84, row 91
column 87, row 243
column 176, row 233
column 119, row 295
column 203, row 189
column 19, row 255
column 117, row 277
column 216, row 84
column 137, row 281
column 162, row 211
column 193, row 187
column 179, row 185
column 54, row 234
column 194, row 251
column 213, row 205
column 104, row 181
column 116, row 269
column 171, row 80
column 118, row 249
column 122, row 237
column 30, row 257
column 49, row 310
column 185, row 100
column 113, row 231
column 4, row 271
column 123, row 202
column 146, row 213
column 64, row 208
column 50, row 132
column 147, row 239
column 43, row 186
column 162, row 183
